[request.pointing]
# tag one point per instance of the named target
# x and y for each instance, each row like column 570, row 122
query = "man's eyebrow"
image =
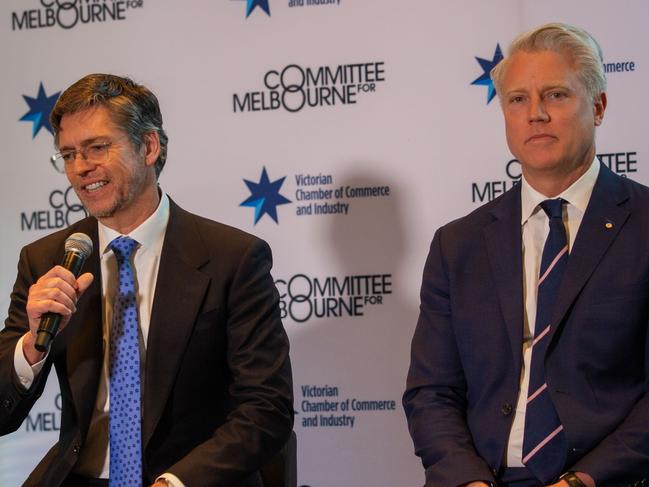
column 516, row 90
column 84, row 143
column 550, row 86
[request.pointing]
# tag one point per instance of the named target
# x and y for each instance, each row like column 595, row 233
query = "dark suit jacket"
column 217, row 392
column 466, row 359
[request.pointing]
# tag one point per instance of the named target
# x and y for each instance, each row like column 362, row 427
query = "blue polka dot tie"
column 544, row 441
column 124, row 411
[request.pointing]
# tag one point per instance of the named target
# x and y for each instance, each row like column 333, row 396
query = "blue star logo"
column 253, row 4
column 485, row 78
column 265, row 197
column 39, row 110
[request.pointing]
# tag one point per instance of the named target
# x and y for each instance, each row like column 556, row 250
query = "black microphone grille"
column 79, row 243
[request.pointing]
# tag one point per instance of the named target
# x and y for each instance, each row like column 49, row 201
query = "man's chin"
column 542, row 164
column 100, row 212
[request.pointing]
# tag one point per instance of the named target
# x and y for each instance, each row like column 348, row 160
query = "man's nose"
column 80, row 164
column 538, row 113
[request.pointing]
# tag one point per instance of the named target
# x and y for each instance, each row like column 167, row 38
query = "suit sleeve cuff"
column 171, row 479
column 26, row 372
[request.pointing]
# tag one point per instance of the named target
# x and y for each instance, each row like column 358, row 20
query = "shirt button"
column 506, row 409
column 76, row 448
column 7, row 403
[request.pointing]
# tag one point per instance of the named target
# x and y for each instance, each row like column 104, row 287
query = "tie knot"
column 122, row 247
column 553, row 208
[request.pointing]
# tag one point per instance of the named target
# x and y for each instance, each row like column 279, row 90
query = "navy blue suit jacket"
column 466, row 359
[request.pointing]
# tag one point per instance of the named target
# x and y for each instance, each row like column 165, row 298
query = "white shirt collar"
column 578, row 194
column 149, row 234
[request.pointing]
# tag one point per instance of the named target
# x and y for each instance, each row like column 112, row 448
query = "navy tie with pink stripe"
column 544, row 441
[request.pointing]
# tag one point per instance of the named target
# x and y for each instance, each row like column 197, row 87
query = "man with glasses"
column 204, row 395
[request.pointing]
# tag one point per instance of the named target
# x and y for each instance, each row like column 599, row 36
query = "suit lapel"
column 593, row 239
column 180, row 288
column 504, row 244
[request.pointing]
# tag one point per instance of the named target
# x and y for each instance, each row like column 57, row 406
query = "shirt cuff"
column 171, row 479
column 26, row 372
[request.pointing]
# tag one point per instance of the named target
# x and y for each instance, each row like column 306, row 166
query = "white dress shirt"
column 94, row 457
column 535, row 229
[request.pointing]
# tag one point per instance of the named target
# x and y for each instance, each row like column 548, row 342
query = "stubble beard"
column 121, row 199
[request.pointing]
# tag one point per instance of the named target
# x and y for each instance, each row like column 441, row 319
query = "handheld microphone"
column 78, row 248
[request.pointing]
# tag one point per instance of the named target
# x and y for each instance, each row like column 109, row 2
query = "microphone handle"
column 49, row 326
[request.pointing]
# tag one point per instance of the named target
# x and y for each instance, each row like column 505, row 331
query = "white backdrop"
column 394, row 113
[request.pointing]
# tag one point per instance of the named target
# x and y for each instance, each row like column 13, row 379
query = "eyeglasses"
column 94, row 153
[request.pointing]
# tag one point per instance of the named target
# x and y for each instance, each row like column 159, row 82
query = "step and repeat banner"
column 362, row 124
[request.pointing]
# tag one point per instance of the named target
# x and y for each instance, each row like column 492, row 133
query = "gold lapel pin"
column 608, row 225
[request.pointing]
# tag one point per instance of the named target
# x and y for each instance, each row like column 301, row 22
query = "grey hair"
column 583, row 49
column 131, row 106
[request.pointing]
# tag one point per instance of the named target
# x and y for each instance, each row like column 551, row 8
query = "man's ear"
column 599, row 107
column 151, row 145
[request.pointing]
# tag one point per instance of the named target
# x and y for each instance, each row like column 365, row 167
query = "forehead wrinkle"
column 87, row 117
